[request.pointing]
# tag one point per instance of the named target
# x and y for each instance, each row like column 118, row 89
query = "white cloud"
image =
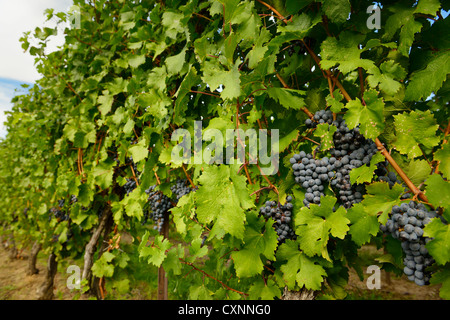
column 17, row 17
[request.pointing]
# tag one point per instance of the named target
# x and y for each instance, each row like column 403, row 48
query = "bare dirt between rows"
column 16, row 285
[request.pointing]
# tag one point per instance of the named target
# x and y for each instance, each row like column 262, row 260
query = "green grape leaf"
column 226, row 210
column 369, row 116
column 134, row 61
column 365, row 173
column 102, row 267
column 105, row 100
column 288, row 98
column 103, row 173
column 139, row 151
column 337, row 10
column 402, row 19
column 414, row 129
column 364, row 224
column 345, row 52
column 423, row 82
column 428, row 7
column 325, row 132
column 156, row 251
column 386, row 77
column 380, row 199
column 443, row 156
column 439, row 246
column 314, row 226
column 438, row 191
column 442, row 277
column 299, row 268
column 265, row 290
column 247, row 261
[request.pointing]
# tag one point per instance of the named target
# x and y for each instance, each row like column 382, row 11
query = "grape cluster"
column 181, row 187
column 157, row 206
column 58, row 212
column 131, row 183
column 351, row 150
column 406, row 223
column 312, row 174
column 282, row 215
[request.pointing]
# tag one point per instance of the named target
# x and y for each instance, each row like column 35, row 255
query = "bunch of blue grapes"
column 351, row 150
column 131, row 183
column 312, row 174
column 282, row 215
column 157, row 207
column 406, row 223
column 58, row 212
column 181, row 187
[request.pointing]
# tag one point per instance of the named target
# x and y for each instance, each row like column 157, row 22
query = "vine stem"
column 187, row 176
column 211, row 277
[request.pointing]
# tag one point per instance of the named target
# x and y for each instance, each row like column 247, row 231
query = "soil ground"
column 16, row 285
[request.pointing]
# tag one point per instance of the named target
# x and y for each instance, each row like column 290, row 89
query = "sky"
column 17, row 66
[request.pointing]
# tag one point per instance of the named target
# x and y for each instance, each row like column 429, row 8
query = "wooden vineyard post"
column 162, row 279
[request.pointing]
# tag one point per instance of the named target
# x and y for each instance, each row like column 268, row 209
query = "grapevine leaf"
column 365, row 173
column 438, row 191
column 156, row 252
column 363, row 224
column 139, row 151
column 345, row 52
column 417, row 127
column 335, row 102
column 226, row 211
column 423, row 82
column 439, row 246
column 265, row 290
column 103, row 173
column 402, row 19
column 325, row 132
column 369, row 116
column 175, row 63
column 299, row 268
column 288, row 98
column 337, row 10
column 387, row 78
column 105, row 101
column 247, row 261
column 136, row 60
column 380, row 199
column 443, row 156
column 315, row 224
column 428, row 7
column 442, row 277
column 102, row 267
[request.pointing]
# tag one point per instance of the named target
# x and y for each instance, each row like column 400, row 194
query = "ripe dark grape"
column 282, row 215
column 351, row 150
column 157, row 207
column 181, row 187
column 406, row 223
column 131, row 183
column 312, row 174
